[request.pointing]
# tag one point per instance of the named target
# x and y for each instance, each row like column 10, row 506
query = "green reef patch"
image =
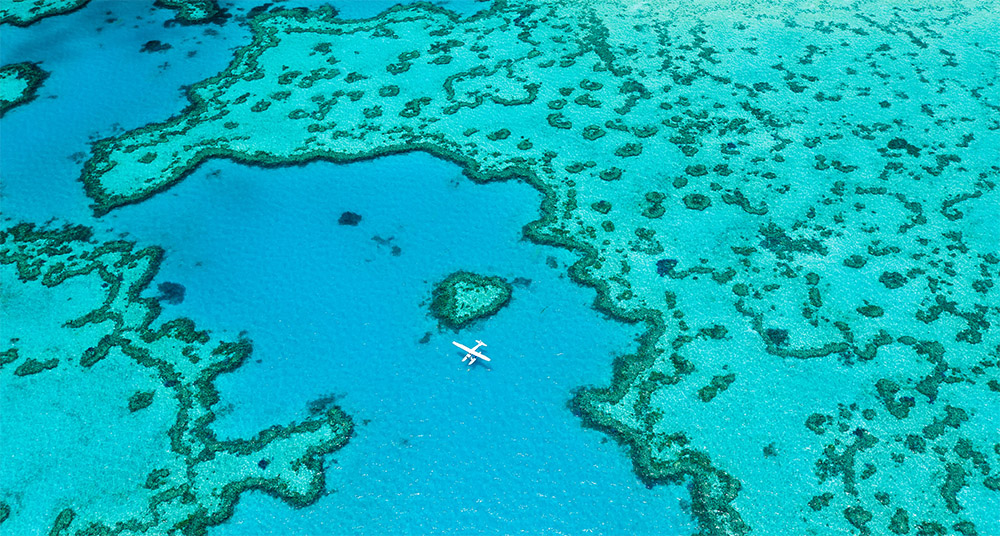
column 19, row 83
column 106, row 409
column 797, row 203
column 464, row 297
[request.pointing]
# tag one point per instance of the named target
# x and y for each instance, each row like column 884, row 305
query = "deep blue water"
column 331, row 311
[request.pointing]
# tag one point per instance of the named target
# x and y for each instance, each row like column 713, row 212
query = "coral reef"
column 193, row 11
column 19, row 83
column 464, row 297
column 110, row 416
column 798, row 202
column 27, row 12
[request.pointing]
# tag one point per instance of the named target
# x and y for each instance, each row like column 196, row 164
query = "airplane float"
column 472, row 354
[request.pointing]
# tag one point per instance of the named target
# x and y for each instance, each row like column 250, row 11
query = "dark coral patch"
column 900, row 143
column 776, row 336
column 155, row 46
column 349, row 218
column 172, row 293
column 892, row 280
column 696, row 170
column 697, row 201
column 140, row 400
column 855, row 261
column 665, row 266
column 602, row 206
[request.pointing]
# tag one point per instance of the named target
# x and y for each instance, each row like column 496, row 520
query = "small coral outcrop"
column 464, row 297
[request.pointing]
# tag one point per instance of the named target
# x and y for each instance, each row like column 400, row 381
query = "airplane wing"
column 471, row 351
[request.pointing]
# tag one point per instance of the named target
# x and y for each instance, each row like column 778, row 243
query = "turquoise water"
column 444, row 448
column 797, row 204
column 331, row 311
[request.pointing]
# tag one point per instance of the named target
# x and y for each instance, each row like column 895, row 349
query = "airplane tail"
column 481, row 342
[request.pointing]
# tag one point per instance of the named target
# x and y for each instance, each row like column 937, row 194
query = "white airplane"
column 472, row 353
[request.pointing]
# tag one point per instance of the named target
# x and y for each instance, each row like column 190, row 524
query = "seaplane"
column 473, row 353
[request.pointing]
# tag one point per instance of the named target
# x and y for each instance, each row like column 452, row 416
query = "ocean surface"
column 439, row 447
column 796, row 202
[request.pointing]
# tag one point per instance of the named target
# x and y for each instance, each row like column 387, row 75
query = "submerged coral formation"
column 19, row 83
column 464, row 297
column 27, row 12
column 106, row 410
column 799, row 202
column 193, row 11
